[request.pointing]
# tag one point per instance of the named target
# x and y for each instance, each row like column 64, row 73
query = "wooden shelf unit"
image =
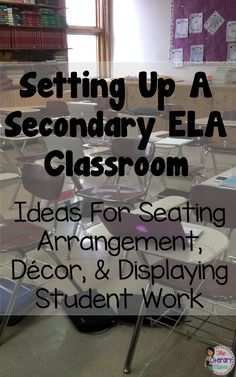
column 30, row 6
column 50, row 40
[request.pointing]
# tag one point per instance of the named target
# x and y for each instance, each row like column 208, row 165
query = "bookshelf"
column 35, row 5
column 33, row 30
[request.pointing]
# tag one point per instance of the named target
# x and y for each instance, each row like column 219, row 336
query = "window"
column 89, row 37
column 81, row 13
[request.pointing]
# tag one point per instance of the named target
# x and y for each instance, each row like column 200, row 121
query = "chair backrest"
column 103, row 103
column 86, row 110
column 56, row 108
column 39, row 183
column 215, row 198
column 128, row 147
column 65, row 143
column 229, row 115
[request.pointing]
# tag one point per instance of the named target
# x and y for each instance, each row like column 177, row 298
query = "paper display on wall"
column 213, row 23
column 196, row 53
column 231, row 31
column 195, row 22
column 177, row 57
column 231, row 52
column 181, row 30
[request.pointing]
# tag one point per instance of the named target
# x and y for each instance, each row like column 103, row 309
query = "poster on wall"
column 181, row 30
column 177, row 57
column 195, row 22
column 231, row 31
column 211, row 24
column 231, row 52
column 196, row 54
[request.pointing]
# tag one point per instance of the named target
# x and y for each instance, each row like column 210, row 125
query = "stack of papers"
column 229, row 182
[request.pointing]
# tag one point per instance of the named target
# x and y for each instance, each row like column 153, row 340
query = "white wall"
column 141, row 39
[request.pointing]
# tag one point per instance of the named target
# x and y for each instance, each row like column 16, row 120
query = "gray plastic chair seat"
column 21, row 237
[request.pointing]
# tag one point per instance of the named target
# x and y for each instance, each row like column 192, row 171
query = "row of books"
column 32, row 38
column 54, row 39
column 50, row 19
column 3, row 15
column 30, row 18
column 5, row 37
column 54, row 3
column 42, row 17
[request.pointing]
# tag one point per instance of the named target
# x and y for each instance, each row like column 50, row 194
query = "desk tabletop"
column 95, row 150
column 19, row 138
column 172, row 141
column 168, row 142
column 219, row 178
column 26, row 109
column 213, row 244
column 227, row 123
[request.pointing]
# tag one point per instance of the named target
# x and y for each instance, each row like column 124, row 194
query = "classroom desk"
column 204, row 122
column 213, row 181
column 212, row 242
column 169, row 143
column 4, row 177
column 14, row 140
column 91, row 151
column 172, row 141
column 156, row 134
column 27, row 109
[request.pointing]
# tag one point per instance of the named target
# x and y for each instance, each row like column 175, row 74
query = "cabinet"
column 134, row 98
column 181, row 97
column 223, row 98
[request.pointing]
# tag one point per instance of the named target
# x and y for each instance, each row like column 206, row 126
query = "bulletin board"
column 214, row 46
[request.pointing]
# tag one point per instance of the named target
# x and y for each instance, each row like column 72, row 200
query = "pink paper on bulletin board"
column 215, row 46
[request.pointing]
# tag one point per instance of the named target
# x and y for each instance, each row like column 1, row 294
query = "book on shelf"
column 5, row 37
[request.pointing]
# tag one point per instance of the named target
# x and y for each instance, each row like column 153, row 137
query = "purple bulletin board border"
column 215, row 47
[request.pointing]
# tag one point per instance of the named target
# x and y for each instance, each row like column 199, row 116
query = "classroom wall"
column 141, row 39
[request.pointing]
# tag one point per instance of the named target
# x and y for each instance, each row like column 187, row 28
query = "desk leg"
column 204, row 153
column 214, row 161
column 180, row 153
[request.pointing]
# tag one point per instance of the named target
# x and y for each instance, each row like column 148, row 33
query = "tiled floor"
column 50, row 345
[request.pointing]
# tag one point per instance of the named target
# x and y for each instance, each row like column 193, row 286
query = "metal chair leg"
column 214, row 161
column 136, row 333
column 32, row 201
column 75, row 230
column 125, row 256
column 15, row 194
column 23, row 146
